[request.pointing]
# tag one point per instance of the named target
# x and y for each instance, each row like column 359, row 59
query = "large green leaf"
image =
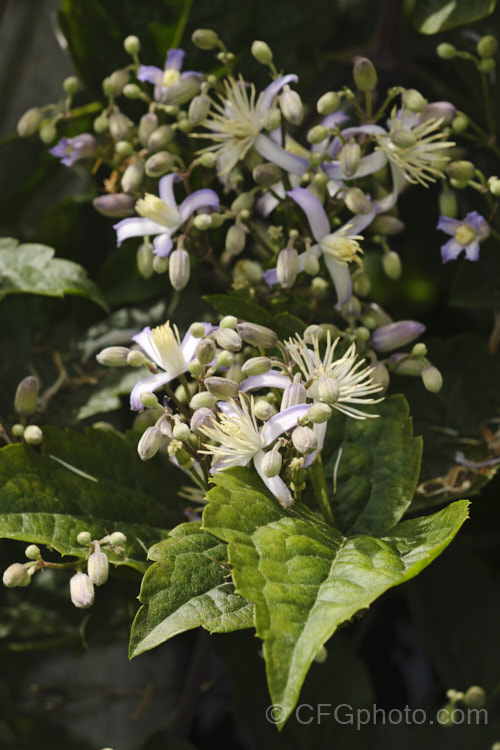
column 377, row 470
column 305, row 577
column 433, row 16
column 93, row 481
column 32, row 269
column 188, row 586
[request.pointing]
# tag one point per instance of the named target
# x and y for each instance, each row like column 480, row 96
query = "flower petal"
column 341, row 278
column 174, row 59
column 472, row 250
column 271, row 379
column 275, row 484
column 136, row 227
column 451, row 250
column 189, row 342
column 199, row 199
column 320, row 432
column 151, row 74
column 314, row 211
column 367, row 165
column 282, row 422
column 144, row 339
column 163, row 245
column 267, row 96
column 145, row 386
column 166, row 189
column 445, row 224
column 275, row 153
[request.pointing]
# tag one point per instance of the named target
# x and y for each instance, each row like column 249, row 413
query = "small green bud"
column 29, row 122
column 475, row 697
column 313, row 332
column 311, row 264
column 291, row 106
column 160, row 138
column 202, row 417
column 319, row 412
column 266, row 174
column 229, row 321
column 413, row 100
column 131, row 45
column 327, row 390
column 84, row 538
column 159, row 164
column 262, row 53
column 120, row 126
column 228, row 339
column 48, row 134
column 461, row 170
column 271, row 463
column 160, row 265
column 460, row 123
column 388, row 225
column 132, row 91
column 118, row 80
column 205, row 351
column 287, row 267
column 16, row 575
column 208, row 160
column 132, row 178
column 487, row 46
column 197, row 330
column 257, row 366
column 243, row 202
column 17, row 430
column 179, row 268
column 317, row 134
column 149, row 400
column 203, row 400
column 350, row 157
column 224, row 359
column 98, row 567
column 205, row 39
column 362, row 334
column 181, row 432
column 32, row 552
column 294, row 394
column 403, row 139
column 487, row 64
column 117, row 538
column 235, row 239
column 361, row 284
column 380, row 374
column 117, row 205
column 101, row 123
column 365, row 75
column 407, row 366
column 263, row 410
column 145, row 256
column 328, row 103
column 272, row 119
column 196, row 368
column 26, row 398
column 432, row 379
column 446, row 51
column 357, row 202
column 199, row 108
column 321, row 655
column 33, row 435
column 257, row 335
column 419, row 350
column 147, row 125
column 123, row 148
column 81, row 590
column 203, row 222
column 391, row 263
column 70, row 85
column 113, row 356
column 448, row 205
column 222, row 388
column 319, row 288
column 149, row 444
column 304, row 440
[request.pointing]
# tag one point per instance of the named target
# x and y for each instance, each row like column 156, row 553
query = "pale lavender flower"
column 69, row 150
column 171, row 86
column 162, row 217
column 391, row 336
column 466, row 235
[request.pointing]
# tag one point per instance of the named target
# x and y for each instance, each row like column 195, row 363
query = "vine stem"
column 318, row 481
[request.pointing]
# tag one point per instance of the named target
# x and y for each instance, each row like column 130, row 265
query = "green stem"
column 368, row 105
column 487, row 103
column 182, row 24
column 318, row 482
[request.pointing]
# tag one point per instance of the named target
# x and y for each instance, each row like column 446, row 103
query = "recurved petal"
column 136, row 227
column 146, row 386
column 314, row 211
column 199, row 199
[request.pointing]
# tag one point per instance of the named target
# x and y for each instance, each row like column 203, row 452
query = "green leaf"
column 433, row 16
column 306, row 578
column 32, row 269
column 93, row 481
column 188, row 586
column 378, row 468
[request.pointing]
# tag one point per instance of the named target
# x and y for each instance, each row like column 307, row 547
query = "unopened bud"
column 203, row 400
column 202, row 417
column 196, row 368
column 132, row 91
column 224, row 359
column 460, row 123
column 160, row 265
column 312, row 333
column 132, row 45
column 32, row 552
column 29, row 122
column 291, row 106
column 287, row 267
column 145, row 257
column 33, row 435
column 115, row 206
column 257, row 366
column 365, row 75
column 357, row 202
column 84, row 538
column 319, row 288
column 132, row 178
column 48, row 133
column 328, row 103
column 494, row 186
column 135, row 358
column 391, row 263
column 81, row 590
column 446, row 51
column 160, row 138
column 262, row 52
column 26, row 398
column 388, row 225
column 395, row 335
column 266, row 174
column 271, row 464
column 197, row 330
column 159, row 164
column 17, row 430
column 405, row 365
column 379, row 374
column 120, row 126
column 149, row 444
column 432, row 379
column 16, row 575
column 319, row 412
column 205, row 351
column 235, row 239
column 228, row 339
column 198, row 109
column 113, row 356
column 294, row 394
column 257, row 335
column 205, row 39
column 448, row 204
column 413, row 100
column 118, row 80
column 222, row 388
column 101, row 123
column 327, row 390
column 229, row 321
column 263, row 410
column 403, row 139
column 487, row 64
column 475, row 697
column 98, row 568
column 350, row 157
column 461, row 170
column 181, row 431
column 487, row 46
column 147, row 125
column 179, row 268
column 272, row 119
column 208, row 160
column 311, row 264
column 317, row 134
column 117, row 538
column 304, row 440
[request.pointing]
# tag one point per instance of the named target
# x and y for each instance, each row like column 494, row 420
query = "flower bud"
column 266, row 174
column 487, row 64
column 328, row 103
column 257, row 366
column 181, row 431
column 48, row 133
column 202, row 417
column 445, row 111
column 272, row 119
column 149, row 444
column 380, row 374
column 405, row 365
column 135, row 358
column 256, row 335
column 228, row 339
column 16, row 575
column 475, row 696
column 123, row 148
column 327, row 390
column 160, row 138
column 199, row 108
column 460, row 123
column 101, row 123
column 391, row 263
column 388, row 225
column 205, row 351
column 243, row 202
column 357, row 202
column 26, row 398
column 413, row 100
column 160, row 265
column 313, row 332
column 32, row 552
column 403, row 139
column 222, row 388
column 235, row 239
column 397, row 334
column 228, row 321
column 262, row 53
column 448, row 204
column 132, row 91
column 203, row 400
column 361, row 284
column 117, row 538
column 432, row 379
column 17, row 430
column 132, row 178
column 291, row 106
column 33, row 435
column 494, row 186
column 113, row 356
column 197, row 330
column 81, row 590
column 196, row 368
column 317, row 134
column 419, row 350
column 119, row 80
column 120, row 126
column 365, row 75
column 205, row 39
column 446, row 51
column 461, row 170
column 159, row 164
column 487, row 46
column 147, row 125
column 208, row 160
column 132, row 45
column 319, row 412
column 98, row 567
column 311, row 264
column 84, row 538
column 145, row 257
column 304, row 440
column 115, row 206
column 179, row 268
column 29, row 122
column 294, row 394
column 350, row 157
column 271, row 464
column 287, row 267
column 224, row 359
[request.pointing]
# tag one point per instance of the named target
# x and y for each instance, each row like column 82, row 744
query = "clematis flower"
column 171, row 86
column 466, row 235
column 338, row 248
column 240, row 440
column 236, row 122
column 162, row 217
column 163, row 346
column 69, row 150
